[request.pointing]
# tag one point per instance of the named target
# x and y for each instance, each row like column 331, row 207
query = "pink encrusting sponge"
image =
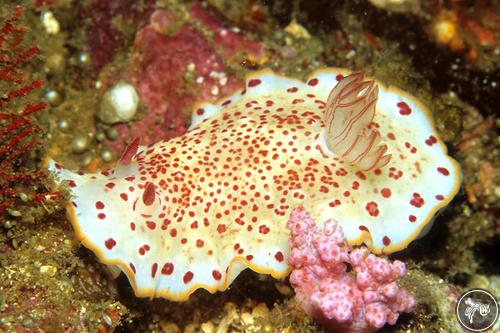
column 194, row 211
column 361, row 300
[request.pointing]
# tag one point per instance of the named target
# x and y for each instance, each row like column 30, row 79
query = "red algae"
column 17, row 129
column 176, row 63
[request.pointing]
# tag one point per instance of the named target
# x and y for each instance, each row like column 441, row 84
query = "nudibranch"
column 194, row 211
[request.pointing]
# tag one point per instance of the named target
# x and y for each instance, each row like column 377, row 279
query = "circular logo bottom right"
column 477, row 310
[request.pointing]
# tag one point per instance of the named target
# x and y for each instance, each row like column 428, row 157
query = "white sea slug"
column 194, row 211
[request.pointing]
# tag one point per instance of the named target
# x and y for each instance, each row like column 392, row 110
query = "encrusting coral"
column 194, row 211
column 360, row 301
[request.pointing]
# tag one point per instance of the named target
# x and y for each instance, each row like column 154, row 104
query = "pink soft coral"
column 361, row 301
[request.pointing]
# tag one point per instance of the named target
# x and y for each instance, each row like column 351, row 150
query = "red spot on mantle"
column 313, row 82
column 143, row 249
column 154, row 269
column 167, row 269
column 386, row 240
column 263, row 229
column 431, row 140
column 443, row 171
column 221, row 228
column 110, row 243
column 279, row 256
column 386, row 192
column 334, row 203
column 372, row 208
column 216, row 274
column 188, row 277
column 363, row 228
column 361, row 175
column 417, row 200
column 404, row 109
column 254, row 82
